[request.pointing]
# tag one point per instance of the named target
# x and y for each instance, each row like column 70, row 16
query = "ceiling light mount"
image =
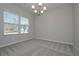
column 39, row 8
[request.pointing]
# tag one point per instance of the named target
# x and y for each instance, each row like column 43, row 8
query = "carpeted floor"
column 37, row 48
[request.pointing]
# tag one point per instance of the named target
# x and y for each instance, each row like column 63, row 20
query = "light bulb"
column 40, row 4
column 41, row 11
column 35, row 11
column 44, row 8
column 33, row 6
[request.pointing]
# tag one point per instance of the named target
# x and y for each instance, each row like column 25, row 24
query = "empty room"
column 39, row 29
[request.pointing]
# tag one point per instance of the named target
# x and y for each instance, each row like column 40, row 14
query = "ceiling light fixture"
column 40, row 4
column 35, row 11
column 41, row 11
column 39, row 8
column 33, row 6
column 44, row 8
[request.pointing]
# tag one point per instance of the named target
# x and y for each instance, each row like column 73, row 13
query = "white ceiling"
column 27, row 6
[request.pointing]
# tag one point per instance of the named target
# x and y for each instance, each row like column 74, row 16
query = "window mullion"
column 19, row 26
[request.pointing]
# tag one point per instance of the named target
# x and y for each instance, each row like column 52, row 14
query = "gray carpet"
column 37, row 48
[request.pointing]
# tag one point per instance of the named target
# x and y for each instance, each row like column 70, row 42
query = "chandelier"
column 38, row 9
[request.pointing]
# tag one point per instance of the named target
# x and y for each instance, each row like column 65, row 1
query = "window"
column 14, row 23
column 24, row 25
column 10, row 23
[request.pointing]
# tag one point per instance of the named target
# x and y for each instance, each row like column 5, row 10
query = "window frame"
column 18, row 25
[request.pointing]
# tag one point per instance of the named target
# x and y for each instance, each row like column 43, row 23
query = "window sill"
column 15, row 34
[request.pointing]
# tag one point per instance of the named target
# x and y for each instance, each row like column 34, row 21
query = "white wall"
column 55, row 25
column 10, row 39
column 76, row 21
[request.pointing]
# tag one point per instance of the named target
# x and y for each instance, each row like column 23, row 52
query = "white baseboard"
column 35, row 38
column 75, row 47
column 14, row 42
column 55, row 41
